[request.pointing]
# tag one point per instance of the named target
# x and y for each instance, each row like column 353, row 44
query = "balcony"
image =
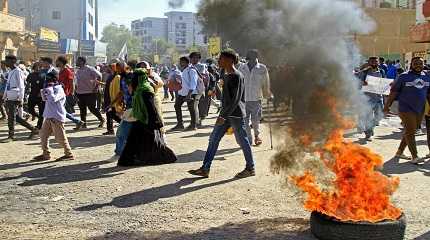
column 11, row 23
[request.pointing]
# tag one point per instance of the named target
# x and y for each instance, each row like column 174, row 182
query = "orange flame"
column 362, row 194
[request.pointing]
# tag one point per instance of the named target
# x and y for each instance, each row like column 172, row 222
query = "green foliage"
column 115, row 36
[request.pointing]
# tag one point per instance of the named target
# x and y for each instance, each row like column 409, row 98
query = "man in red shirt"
column 66, row 78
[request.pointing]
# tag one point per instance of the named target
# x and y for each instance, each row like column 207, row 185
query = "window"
column 56, row 15
column 90, row 36
column 144, row 32
column 90, row 19
column 91, row 3
column 181, row 18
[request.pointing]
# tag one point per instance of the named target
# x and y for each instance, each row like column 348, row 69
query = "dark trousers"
column 70, row 104
column 167, row 91
column 88, row 101
column 32, row 103
column 12, row 114
column 2, row 110
column 193, row 108
column 428, row 131
column 110, row 117
column 411, row 122
column 204, row 105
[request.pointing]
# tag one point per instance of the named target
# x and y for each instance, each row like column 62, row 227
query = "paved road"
column 91, row 198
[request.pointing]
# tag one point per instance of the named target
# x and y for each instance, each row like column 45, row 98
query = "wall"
column 392, row 34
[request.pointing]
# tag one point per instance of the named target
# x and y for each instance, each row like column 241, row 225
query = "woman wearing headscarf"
column 145, row 144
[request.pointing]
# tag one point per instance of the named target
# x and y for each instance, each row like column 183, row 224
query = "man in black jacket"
column 232, row 115
column 35, row 83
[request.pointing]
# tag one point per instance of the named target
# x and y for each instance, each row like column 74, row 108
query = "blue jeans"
column 121, row 136
column 239, row 127
column 72, row 118
column 371, row 118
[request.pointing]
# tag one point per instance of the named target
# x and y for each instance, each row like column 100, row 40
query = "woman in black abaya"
column 145, row 144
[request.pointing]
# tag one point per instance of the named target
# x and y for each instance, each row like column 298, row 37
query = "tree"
column 115, row 36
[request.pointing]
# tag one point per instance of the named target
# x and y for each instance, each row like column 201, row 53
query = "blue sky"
column 125, row 11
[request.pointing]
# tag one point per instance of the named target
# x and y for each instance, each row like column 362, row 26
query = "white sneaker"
column 402, row 156
column 113, row 159
column 417, row 160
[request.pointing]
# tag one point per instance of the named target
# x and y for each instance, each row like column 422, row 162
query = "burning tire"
column 328, row 228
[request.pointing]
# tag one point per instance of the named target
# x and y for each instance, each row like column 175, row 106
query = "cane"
column 270, row 124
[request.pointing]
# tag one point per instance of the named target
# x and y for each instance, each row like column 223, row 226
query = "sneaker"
column 417, row 160
column 246, row 173
column 102, row 123
column 258, row 141
column 178, row 127
column 200, row 172
column 80, row 125
column 191, row 128
column 42, row 158
column 109, row 133
column 33, row 134
column 66, row 158
column 402, row 156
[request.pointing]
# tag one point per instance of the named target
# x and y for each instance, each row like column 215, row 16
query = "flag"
column 123, row 54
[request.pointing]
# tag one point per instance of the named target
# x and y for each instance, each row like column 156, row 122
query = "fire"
column 361, row 193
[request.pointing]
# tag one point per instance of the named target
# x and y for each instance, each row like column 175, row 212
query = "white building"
column 74, row 19
column 181, row 29
column 394, row 3
column 149, row 29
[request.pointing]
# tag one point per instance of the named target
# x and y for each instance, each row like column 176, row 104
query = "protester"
column 392, row 70
column 164, row 74
column 3, row 72
column 14, row 96
column 411, row 89
column 375, row 102
column 202, row 86
column 257, row 87
column 232, row 114
column 145, row 144
column 188, row 94
column 35, row 83
column 382, row 64
column 66, row 78
column 113, row 97
column 55, row 116
column 87, row 85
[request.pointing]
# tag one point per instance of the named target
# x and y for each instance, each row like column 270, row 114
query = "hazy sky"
column 125, row 11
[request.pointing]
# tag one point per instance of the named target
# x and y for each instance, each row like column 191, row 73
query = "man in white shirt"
column 188, row 94
column 14, row 97
column 257, row 87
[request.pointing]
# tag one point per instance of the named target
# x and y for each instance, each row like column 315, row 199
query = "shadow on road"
column 52, row 175
column 199, row 155
column 82, row 142
column 274, row 229
column 425, row 236
column 154, row 194
column 393, row 166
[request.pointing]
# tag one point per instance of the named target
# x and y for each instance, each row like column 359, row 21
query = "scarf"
column 140, row 112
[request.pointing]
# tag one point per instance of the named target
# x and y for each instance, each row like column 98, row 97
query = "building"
column 77, row 19
column 180, row 29
column 409, row 4
column 149, row 29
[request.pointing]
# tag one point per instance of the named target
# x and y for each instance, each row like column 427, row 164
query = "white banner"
column 378, row 85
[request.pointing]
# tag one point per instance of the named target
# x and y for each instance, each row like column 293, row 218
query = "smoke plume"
column 176, row 3
column 308, row 47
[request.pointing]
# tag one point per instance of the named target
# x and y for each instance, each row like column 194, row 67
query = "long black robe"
column 145, row 143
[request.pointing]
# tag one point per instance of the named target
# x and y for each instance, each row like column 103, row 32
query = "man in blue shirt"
column 411, row 89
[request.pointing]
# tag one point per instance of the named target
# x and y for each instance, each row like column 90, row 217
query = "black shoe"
column 109, row 133
column 191, row 128
column 102, row 123
column 246, row 173
column 178, row 127
column 199, row 172
column 80, row 125
column 33, row 133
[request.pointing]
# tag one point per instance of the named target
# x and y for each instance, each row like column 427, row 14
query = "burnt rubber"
column 328, row 228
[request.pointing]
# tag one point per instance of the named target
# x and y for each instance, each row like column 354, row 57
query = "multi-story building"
column 180, row 29
column 11, row 31
column 150, row 29
column 77, row 19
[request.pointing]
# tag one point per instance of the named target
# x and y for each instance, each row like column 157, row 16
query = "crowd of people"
column 131, row 94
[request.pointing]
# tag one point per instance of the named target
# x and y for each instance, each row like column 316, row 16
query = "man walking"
column 372, row 117
column 66, row 77
column 232, row 115
column 35, row 83
column 87, row 84
column 257, row 87
column 14, row 97
column 188, row 94
column 412, row 91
